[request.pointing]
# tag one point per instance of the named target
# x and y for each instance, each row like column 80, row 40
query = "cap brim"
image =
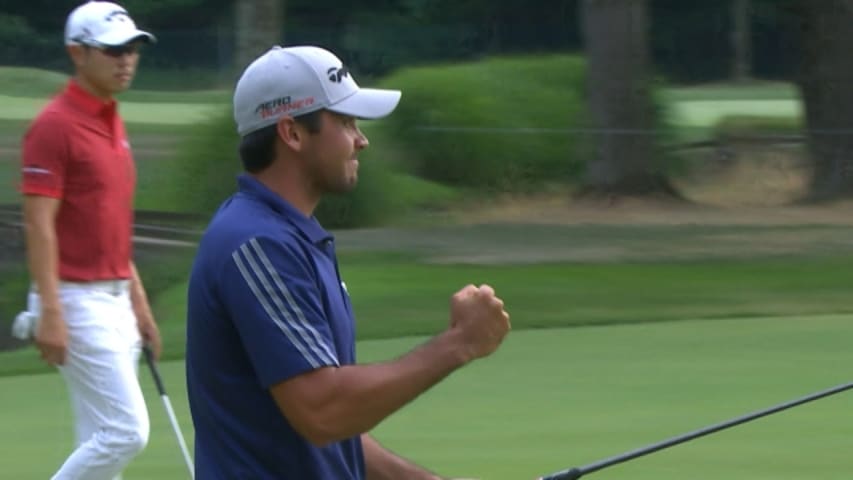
column 115, row 39
column 368, row 103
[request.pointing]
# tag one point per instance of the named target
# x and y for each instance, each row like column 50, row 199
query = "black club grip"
column 149, row 357
column 570, row 474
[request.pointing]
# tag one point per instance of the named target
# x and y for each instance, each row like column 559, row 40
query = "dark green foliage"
column 207, row 165
column 51, row 14
column 506, row 124
column 377, row 44
column 20, row 43
column 377, row 36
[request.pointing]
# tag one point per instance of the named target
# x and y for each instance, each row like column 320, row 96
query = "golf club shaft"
column 578, row 472
column 174, row 421
column 170, row 412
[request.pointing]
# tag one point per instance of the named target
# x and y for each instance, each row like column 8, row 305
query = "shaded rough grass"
column 396, row 297
column 757, row 127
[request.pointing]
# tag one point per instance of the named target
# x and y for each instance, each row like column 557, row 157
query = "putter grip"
column 570, row 474
column 149, row 357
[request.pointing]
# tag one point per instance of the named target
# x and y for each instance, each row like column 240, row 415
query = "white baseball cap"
column 102, row 24
column 298, row 80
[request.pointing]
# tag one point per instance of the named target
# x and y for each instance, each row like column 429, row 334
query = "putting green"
column 18, row 108
column 552, row 399
column 707, row 113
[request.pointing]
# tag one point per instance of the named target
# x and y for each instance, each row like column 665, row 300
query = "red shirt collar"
column 87, row 102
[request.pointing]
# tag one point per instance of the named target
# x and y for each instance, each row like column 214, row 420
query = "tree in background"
column 825, row 79
column 619, row 97
column 741, row 40
column 257, row 27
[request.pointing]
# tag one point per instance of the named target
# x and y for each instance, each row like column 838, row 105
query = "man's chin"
column 347, row 186
column 350, row 186
column 121, row 86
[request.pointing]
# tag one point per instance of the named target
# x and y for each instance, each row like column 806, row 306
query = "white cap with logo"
column 102, row 24
column 298, row 80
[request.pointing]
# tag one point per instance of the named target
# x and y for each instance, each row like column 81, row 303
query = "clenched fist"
column 479, row 316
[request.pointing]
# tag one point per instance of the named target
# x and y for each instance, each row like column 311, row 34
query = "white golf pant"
column 110, row 416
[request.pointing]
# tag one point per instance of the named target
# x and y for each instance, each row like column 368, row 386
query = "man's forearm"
column 142, row 311
column 138, row 297
column 42, row 253
column 343, row 402
column 382, row 464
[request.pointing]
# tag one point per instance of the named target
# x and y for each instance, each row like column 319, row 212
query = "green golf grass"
column 758, row 90
column 395, row 295
column 19, row 108
column 706, row 113
column 552, row 399
column 40, row 84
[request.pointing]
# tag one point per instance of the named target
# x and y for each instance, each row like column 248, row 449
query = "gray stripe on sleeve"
column 247, row 277
column 317, row 342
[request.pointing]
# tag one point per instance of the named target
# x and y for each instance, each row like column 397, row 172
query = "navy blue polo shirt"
column 265, row 303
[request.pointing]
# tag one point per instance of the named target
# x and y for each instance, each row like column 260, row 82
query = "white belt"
column 112, row 287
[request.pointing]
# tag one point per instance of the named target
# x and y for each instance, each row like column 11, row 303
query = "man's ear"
column 291, row 133
column 77, row 54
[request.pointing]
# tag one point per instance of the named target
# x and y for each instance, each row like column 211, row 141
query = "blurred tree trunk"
column 826, row 86
column 258, row 26
column 619, row 99
column 741, row 40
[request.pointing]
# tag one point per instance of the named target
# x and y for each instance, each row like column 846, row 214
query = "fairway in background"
column 31, row 82
column 38, row 83
column 551, row 399
column 706, row 113
column 18, row 108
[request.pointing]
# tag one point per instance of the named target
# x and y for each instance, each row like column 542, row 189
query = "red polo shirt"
column 76, row 150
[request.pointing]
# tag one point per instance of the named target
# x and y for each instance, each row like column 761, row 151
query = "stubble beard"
column 328, row 183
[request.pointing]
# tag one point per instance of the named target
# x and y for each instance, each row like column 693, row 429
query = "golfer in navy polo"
column 273, row 384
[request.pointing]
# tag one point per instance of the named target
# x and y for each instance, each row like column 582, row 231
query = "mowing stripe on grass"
column 707, row 113
column 17, row 108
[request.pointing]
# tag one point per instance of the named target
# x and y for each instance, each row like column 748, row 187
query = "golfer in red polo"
column 78, row 180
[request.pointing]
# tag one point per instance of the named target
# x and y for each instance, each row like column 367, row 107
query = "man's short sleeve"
column 45, row 156
column 271, row 292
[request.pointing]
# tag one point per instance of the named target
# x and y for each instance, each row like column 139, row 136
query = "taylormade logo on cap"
column 298, row 80
column 102, row 24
